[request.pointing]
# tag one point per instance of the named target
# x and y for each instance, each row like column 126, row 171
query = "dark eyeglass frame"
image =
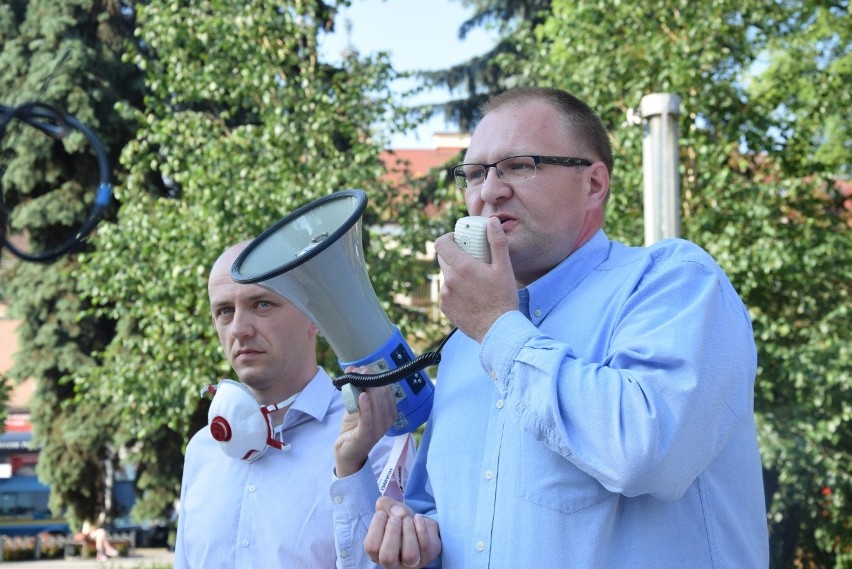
column 571, row 162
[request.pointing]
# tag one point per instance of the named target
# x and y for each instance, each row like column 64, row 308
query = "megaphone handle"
column 350, row 397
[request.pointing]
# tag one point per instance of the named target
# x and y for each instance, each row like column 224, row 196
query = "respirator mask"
column 241, row 426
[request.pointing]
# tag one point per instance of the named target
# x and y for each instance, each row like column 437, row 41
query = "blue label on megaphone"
column 413, row 394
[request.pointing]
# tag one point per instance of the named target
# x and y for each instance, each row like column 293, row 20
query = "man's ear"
column 312, row 328
column 598, row 185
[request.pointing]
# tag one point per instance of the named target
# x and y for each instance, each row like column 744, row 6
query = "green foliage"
column 66, row 54
column 804, row 89
column 763, row 137
column 242, row 123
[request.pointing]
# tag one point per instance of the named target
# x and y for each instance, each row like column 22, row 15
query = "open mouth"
column 506, row 221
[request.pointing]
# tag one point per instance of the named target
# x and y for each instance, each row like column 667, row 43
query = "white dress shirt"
column 275, row 512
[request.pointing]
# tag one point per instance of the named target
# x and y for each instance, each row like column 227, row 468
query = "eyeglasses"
column 511, row 170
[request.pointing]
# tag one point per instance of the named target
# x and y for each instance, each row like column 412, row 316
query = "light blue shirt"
column 275, row 512
column 608, row 424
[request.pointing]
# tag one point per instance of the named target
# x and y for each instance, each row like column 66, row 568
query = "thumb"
column 499, row 245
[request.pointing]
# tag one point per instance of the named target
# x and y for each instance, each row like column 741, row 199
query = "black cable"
column 57, row 124
column 419, row 363
column 38, row 115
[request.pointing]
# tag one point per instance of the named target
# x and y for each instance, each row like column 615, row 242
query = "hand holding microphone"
column 473, row 294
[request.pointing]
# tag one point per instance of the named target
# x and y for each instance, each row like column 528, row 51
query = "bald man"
column 274, row 511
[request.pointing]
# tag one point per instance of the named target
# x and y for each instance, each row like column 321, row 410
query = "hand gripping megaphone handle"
column 353, row 384
column 413, row 391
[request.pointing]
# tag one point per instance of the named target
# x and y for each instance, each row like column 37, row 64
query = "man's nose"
column 493, row 187
column 241, row 325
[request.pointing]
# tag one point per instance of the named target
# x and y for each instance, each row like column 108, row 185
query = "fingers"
column 377, row 407
column 393, row 507
column 375, row 535
column 410, row 554
column 382, row 409
column 428, row 537
column 498, row 243
column 448, row 251
column 377, row 404
column 384, row 540
column 390, row 552
column 397, row 538
column 451, row 256
column 360, row 431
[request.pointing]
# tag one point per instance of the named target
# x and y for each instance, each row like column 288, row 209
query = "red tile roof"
column 417, row 161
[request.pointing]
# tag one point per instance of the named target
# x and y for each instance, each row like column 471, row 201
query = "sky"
column 418, row 34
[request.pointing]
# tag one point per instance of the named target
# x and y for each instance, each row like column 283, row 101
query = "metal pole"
column 660, row 166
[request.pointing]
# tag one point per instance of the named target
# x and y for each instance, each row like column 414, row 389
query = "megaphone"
column 314, row 258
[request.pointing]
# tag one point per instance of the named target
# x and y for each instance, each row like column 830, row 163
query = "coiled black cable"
column 419, row 363
column 57, row 124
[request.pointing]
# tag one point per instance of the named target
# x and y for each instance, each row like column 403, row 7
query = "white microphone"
column 470, row 237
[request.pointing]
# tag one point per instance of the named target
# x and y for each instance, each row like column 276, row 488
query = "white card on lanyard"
column 395, row 473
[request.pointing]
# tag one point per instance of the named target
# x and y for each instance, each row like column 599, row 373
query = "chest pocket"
column 549, row 480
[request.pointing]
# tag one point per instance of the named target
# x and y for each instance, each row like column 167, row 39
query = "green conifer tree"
column 68, row 55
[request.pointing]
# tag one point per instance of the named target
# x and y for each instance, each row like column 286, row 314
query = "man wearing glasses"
column 597, row 411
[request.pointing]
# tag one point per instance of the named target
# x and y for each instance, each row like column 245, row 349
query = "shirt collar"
column 314, row 400
column 539, row 297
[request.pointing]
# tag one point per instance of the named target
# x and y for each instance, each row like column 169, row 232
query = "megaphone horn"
column 314, row 258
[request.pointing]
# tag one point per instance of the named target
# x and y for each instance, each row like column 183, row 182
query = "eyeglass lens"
column 515, row 169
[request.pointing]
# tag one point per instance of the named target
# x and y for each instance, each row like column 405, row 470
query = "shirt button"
column 480, row 546
column 252, row 488
column 500, row 404
column 245, row 543
column 344, row 553
column 493, row 374
column 489, row 474
column 537, row 312
column 338, row 499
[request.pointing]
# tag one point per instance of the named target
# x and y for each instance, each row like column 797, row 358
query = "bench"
column 72, row 544
column 124, row 542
